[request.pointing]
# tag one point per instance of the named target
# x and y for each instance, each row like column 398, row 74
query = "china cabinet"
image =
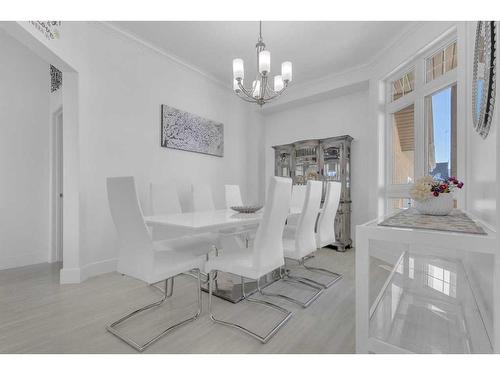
column 327, row 159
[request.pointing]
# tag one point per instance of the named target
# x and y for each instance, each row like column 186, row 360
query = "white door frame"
column 56, row 178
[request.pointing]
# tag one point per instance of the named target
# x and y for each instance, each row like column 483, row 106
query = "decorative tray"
column 246, row 209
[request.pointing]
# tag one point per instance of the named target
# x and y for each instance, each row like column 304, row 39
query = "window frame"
column 417, row 97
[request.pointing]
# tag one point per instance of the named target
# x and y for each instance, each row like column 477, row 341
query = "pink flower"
column 436, row 194
column 460, row 184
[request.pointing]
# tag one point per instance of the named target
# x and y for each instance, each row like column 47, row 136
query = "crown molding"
column 332, row 93
column 370, row 63
column 302, row 85
column 163, row 52
column 411, row 28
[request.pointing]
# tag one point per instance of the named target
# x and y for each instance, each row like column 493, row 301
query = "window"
column 403, row 146
column 411, row 267
column 441, row 62
column 403, row 85
column 421, row 117
column 442, row 133
column 399, row 203
column 441, row 280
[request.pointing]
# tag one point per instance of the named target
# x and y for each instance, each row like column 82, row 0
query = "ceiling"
column 316, row 49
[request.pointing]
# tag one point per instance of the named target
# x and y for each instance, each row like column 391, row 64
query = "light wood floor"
column 37, row 315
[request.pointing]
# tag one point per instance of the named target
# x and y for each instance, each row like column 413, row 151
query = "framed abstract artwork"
column 186, row 131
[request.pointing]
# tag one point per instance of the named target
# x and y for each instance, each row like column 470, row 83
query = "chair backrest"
column 326, row 221
column 202, row 198
column 305, row 236
column 298, row 196
column 136, row 246
column 268, row 244
column 164, row 199
column 233, row 196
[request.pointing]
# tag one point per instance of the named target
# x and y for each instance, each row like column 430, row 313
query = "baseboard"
column 98, row 268
column 78, row 275
column 21, row 260
column 70, row 276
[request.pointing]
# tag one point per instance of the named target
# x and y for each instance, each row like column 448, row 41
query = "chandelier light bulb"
column 264, row 62
column 256, row 89
column 236, row 87
column 286, row 71
column 278, row 83
column 238, row 71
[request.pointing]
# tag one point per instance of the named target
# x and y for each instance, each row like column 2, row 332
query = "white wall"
column 121, row 85
column 481, row 189
column 329, row 118
column 122, row 89
column 24, row 155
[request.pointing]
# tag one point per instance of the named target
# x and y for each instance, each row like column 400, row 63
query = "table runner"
column 456, row 221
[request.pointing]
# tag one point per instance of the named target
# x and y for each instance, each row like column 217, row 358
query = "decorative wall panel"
column 189, row 132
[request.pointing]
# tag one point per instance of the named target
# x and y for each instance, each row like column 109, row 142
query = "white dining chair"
column 264, row 256
column 298, row 197
column 202, row 198
column 301, row 244
column 143, row 259
column 325, row 233
column 233, row 196
column 164, row 199
column 325, row 230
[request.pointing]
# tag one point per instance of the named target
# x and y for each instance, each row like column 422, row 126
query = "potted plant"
column 434, row 197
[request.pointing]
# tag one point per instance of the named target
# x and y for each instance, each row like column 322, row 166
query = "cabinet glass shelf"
column 427, row 306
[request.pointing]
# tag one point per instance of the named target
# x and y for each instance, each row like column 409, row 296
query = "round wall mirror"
column 483, row 84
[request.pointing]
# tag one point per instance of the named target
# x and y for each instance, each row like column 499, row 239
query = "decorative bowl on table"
column 436, row 206
column 246, row 209
column 435, row 197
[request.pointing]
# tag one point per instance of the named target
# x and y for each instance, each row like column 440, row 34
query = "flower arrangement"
column 426, row 187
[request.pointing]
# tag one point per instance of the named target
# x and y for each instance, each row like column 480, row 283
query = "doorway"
column 57, row 186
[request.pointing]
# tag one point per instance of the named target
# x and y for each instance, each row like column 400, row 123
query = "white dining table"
column 217, row 221
column 209, row 221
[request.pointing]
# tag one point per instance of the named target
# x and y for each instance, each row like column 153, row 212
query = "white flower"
column 421, row 189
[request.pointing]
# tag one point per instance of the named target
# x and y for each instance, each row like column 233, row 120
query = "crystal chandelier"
column 260, row 92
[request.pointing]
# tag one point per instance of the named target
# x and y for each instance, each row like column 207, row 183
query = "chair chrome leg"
column 204, row 276
column 111, row 328
column 262, row 339
column 164, row 291
column 336, row 276
column 285, row 278
column 304, row 280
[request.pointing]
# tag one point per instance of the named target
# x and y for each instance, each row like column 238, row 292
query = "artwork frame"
column 182, row 130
